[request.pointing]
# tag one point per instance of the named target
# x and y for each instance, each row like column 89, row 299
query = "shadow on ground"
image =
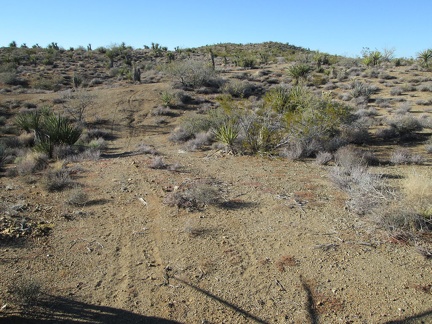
column 54, row 309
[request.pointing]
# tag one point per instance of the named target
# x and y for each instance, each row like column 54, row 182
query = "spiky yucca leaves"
column 49, row 129
column 282, row 99
column 425, row 58
column 227, row 133
column 299, row 71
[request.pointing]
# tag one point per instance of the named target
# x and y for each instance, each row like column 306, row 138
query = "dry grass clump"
column 158, row 163
column 31, row 163
column 429, row 146
column 417, row 188
column 351, row 174
column 201, row 140
column 404, row 156
column 194, row 195
column 77, row 197
column 146, row 149
column 412, row 212
column 323, row 158
column 57, row 180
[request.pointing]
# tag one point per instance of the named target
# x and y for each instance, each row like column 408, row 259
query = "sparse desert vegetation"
column 225, row 183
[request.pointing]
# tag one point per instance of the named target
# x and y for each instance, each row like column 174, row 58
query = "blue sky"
column 334, row 26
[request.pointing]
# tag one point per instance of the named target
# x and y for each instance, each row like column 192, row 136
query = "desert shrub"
column 405, row 124
column 314, row 125
column 404, row 156
column 191, row 73
column 238, row 89
column 413, row 210
column 158, row 163
column 194, row 195
column 88, row 154
column 180, row 134
column 282, row 99
column 349, row 157
column 319, row 80
column 77, row 197
column 259, row 132
column 227, row 133
column 428, row 146
column 57, row 180
column 11, row 78
column 425, row 58
column 386, row 133
column 49, row 129
column 403, row 108
column 323, row 158
column 360, row 89
column 63, row 151
column 3, row 155
column 96, row 133
column 146, row 149
column 296, row 149
column 162, row 111
column 355, row 133
column 31, row 163
column 396, row 91
column 167, row 98
column 199, row 141
column 97, row 144
column 366, row 191
column 181, row 97
column 77, row 103
column 245, row 61
column 52, row 84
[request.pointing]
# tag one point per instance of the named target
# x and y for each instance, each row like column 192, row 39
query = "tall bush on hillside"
column 315, row 123
column 191, row 74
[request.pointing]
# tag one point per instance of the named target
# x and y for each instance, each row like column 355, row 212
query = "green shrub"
column 299, row 71
column 11, row 78
column 313, row 125
column 282, row 99
column 278, row 99
column 425, row 58
column 371, row 58
column 227, row 134
column 49, row 129
column 260, row 132
column 245, row 61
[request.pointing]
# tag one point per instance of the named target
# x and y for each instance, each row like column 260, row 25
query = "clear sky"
column 341, row 27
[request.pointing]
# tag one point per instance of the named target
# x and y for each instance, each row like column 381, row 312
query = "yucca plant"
column 277, row 98
column 425, row 57
column 227, row 133
column 49, row 129
column 299, row 71
column 29, row 121
column 167, row 98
